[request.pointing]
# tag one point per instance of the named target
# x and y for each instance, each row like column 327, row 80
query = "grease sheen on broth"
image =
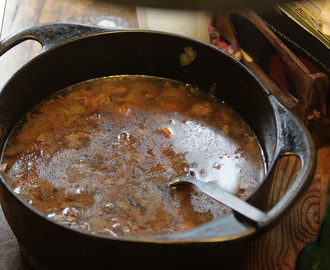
column 98, row 156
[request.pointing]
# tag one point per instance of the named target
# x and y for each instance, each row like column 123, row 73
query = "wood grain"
column 276, row 249
column 24, row 13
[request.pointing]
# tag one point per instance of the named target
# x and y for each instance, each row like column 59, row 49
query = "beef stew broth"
column 99, row 155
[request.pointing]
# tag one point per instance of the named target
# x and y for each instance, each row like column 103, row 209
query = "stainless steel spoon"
column 214, row 191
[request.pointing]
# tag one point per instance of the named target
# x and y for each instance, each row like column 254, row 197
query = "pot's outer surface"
column 74, row 53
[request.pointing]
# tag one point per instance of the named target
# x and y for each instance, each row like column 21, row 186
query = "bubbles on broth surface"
column 98, row 156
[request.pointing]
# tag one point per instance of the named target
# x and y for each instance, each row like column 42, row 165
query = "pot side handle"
column 293, row 139
column 50, row 35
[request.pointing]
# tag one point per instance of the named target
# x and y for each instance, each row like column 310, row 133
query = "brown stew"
column 99, row 155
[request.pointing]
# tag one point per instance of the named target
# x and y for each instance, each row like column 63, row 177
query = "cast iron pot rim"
column 49, row 45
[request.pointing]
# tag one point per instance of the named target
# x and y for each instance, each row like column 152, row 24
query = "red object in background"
column 220, row 42
column 279, row 72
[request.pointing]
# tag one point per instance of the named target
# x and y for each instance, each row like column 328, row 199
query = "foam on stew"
column 98, row 156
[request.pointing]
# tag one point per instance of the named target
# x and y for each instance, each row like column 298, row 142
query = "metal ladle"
column 213, row 190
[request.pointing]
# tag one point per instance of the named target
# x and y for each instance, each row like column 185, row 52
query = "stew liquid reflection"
column 98, row 156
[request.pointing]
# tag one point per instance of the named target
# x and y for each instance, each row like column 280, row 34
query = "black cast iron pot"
column 73, row 53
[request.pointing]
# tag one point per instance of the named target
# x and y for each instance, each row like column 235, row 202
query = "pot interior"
column 141, row 53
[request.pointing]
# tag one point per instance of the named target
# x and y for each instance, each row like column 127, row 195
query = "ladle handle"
column 293, row 139
column 214, row 191
column 50, row 35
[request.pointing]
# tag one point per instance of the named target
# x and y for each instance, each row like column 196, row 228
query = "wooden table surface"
column 276, row 249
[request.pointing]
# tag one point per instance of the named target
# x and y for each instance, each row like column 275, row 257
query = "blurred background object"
column 184, row 22
column 210, row 5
